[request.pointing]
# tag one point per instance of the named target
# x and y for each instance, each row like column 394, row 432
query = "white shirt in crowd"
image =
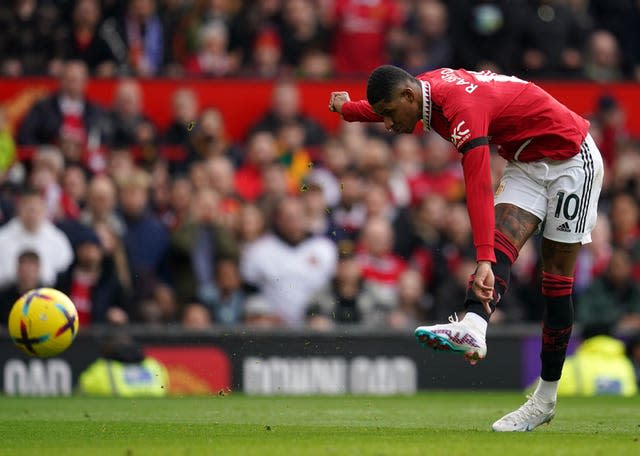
column 49, row 242
column 289, row 275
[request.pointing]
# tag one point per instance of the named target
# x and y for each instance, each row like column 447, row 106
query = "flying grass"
column 451, row 423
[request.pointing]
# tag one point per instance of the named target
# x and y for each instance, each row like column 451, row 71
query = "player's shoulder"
column 468, row 81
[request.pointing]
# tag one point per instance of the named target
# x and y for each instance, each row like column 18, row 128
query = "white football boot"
column 459, row 336
column 529, row 416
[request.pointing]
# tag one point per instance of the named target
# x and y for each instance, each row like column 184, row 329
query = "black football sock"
column 557, row 323
column 506, row 255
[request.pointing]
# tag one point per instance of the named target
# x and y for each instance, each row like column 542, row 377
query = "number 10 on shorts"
column 567, row 206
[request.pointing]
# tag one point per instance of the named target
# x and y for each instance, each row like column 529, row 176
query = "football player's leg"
column 468, row 336
column 514, row 226
column 572, row 211
column 558, row 263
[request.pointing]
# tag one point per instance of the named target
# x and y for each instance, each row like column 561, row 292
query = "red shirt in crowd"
column 360, row 39
column 475, row 109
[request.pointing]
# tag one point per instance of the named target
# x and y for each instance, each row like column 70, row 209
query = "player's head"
column 395, row 95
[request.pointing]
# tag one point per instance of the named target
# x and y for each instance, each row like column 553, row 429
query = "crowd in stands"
column 293, row 225
column 592, row 39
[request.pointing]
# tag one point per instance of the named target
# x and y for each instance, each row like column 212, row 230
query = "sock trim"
column 504, row 245
column 554, row 285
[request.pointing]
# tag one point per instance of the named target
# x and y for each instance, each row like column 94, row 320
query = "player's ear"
column 409, row 94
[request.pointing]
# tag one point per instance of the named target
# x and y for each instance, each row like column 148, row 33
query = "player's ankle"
column 547, row 391
column 478, row 321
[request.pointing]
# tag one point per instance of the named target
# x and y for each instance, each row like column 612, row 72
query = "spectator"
column 439, row 175
column 130, row 126
column 362, row 34
column 159, row 307
column 259, row 313
column 347, row 299
column 381, row 268
column 66, row 113
column 31, row 42
column 594, row 258
column 220, row 174
column 619, row 17
column 625, row 173
column 301, row 29
column 179, row 203
column 451, row 292
column 74, row 187
column 30, row 230
column 228, row 307
column 275, row 186
column 120, row 164
column 610, row 120
column 209, row 139
column 184, row 111
column 456, row 242
column 145, row 239
column 428, row 219
column 196, row 317
column 92, row 283
column 317, row 210
column 172, row 15
column 613, row 300
column 350, row 214
column 84, row 42
column 624, row 215
column 124, row 371
column 27, row 278
column 333, row 164
column 253, row 18
column 212, row 57
column 285, row 109
column 195, row 247
column 429, row 45
column 101, row 205
column 260, row 153
column 251, row 225
column 137, row 39
column 484, row 34
column 602, row 60
column 315, row 64
column 266, row 55
column 413, row 301
column 551, row 40
column 378, row 203
column 46, row 176
column 188, row 25
column 598, row 367
column 286, row 265
column 293, row 153
column 101, row 215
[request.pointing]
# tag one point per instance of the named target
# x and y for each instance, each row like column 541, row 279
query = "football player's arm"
column 476, row 166
column 352, row 111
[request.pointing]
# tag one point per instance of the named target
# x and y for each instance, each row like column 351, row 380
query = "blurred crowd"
column 293, row 225
column 591, row 39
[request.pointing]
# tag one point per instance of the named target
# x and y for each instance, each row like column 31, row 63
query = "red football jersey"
column 475, row 109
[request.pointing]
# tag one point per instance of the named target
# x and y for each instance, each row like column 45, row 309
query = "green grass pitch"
column 448, row 423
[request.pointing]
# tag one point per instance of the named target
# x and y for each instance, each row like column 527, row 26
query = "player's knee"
column 559, row 258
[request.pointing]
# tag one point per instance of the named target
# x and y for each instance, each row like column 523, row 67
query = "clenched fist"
column 337, row 100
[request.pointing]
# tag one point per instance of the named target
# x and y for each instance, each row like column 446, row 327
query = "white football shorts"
column 562, row 194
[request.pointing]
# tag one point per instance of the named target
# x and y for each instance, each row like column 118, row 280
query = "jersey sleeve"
column 469, row 126
column 359, row 111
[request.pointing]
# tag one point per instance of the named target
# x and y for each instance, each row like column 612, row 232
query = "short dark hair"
column 28, row 255
column 383, row 80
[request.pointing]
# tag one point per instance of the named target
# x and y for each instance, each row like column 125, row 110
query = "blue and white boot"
column 466, row 336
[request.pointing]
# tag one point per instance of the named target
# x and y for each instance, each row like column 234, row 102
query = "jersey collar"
column 426, row 105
